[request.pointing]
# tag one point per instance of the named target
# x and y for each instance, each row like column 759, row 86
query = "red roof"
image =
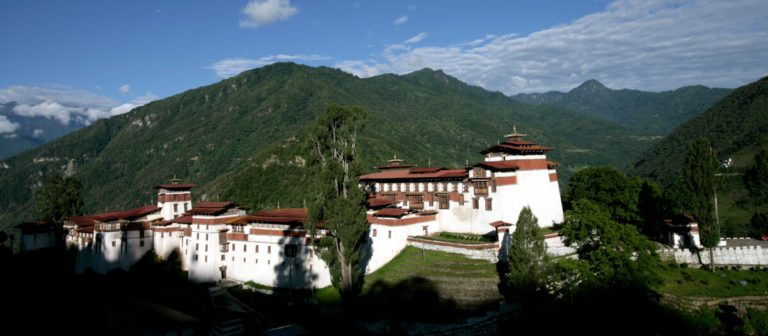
column 36, row 227
column 291, row 216
column 408, row 175
column 500, row 223
column 209, row 208
column 175, row 186
column 104, row 217
column 182, row 219
column 214, row 205
column 392, row 212
column 86, row 229
column 499, row 165
column 426, row 170
column 517, row 147
column 378, row 202
column 394, row 166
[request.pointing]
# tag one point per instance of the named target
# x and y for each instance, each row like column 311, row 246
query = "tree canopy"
column 756, row 177
column 62, row 197
column 609, row 188
column 610, row 253
column 529, row 264
column 699, row 169
column 337, row 200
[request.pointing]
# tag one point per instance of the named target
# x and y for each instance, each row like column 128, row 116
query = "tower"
column 174, row 198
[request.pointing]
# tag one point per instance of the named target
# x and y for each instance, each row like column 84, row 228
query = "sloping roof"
column 182, row 219
column 499, row 165
column 290, row 216
column 499, row 223
column 426, row 170
column 395, row 166
column 175, row 186
column 517, row 147
column 378, row 202
column 109, row 216
column 409, row 175
column 391, row 212
column 210, row 208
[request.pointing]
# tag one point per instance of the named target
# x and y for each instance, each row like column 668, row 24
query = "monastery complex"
column 218, row 240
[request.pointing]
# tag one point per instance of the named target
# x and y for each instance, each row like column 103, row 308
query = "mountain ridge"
column 203, row 134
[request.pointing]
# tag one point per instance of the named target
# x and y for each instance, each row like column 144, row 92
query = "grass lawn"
column 726, row 283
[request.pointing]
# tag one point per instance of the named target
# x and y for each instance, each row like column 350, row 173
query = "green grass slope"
column 223, row 131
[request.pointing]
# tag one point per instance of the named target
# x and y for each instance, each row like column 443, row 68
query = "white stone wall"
column 489, row 254
column 166, row 242
column 382, row 248
column 204, row 253
column 36, row 241
column 743, row 255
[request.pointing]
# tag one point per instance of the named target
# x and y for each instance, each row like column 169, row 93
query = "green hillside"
column 656, row 113
column 247, row 130
column 737, row 128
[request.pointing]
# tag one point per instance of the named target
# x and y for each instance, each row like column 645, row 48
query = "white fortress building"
column 219, row 240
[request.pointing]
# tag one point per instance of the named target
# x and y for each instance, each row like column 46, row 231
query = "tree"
column 529, row 265
column 609, row 188
column 615, row 254
column 649, row 205
column 756, row 177
column 62, row 197
column 699, row 169
column 337, row 200
column 758, row 225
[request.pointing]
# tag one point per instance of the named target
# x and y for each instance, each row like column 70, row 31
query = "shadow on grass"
column 412, row 299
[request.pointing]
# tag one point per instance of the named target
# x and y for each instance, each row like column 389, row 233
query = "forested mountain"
column 656, row 113
column 737, row 128
column 246, row 132
column 30, row 132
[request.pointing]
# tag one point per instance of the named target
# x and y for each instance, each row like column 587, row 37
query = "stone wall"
column 742, row 255
column 489, row 251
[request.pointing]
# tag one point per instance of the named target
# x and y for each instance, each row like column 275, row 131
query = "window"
column 416, row 201
column 206, row 237
column 481, row 187
column 245, row 247
column 197, row 246
column 442, row 200
column 113, row 243
column 474, row 203
column 222, row 257
column 488, row 204
column 233, row 258
column 206, row 258
column 198, row 234
column 374, row 233
column 175, row 208
column 243, row 260
column 195, row 257
column 257, row 248
column 141, row 242
column 255, row 261
column 269, row 249
column 206, row 247
column 390, row 234
column 161, row 235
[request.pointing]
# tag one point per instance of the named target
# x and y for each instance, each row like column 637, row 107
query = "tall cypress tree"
column 337, row 200
column 529, row 265
column 699, row 171
column 756, row 178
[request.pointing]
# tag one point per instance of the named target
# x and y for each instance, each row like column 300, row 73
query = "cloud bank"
column 7, row 126
column 262, row 13
column 649, row 45
column 66, row 105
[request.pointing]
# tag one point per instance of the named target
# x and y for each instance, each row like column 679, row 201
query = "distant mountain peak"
column 591, row 85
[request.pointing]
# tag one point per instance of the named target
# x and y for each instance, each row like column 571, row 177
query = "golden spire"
column 395, row 160
column 514, row 135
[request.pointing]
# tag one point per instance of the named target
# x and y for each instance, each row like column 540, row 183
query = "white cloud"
column 125, row 89
column 233, row 66
column 417, row 38
column 261, row 13
column 7, row 126
column 400, row 20
column 38, row 133
column 648, row 45
column 65, row 104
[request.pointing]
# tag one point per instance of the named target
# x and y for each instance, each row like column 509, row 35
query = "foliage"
column 758, row 225
column 699, row 171
column 229, row 131
column 529, row 264
column 62, row 197
column 608, row 187
column 337, row 199
column 756, row 177
column 650, row 206
column 466, row 237
column 697, row 282
column 758, row 319
column 615, row 254
column 656, row 113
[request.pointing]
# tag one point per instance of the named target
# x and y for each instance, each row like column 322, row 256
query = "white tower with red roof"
column 174, row 198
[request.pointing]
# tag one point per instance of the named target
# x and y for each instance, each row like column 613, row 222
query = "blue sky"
column 106, row 57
